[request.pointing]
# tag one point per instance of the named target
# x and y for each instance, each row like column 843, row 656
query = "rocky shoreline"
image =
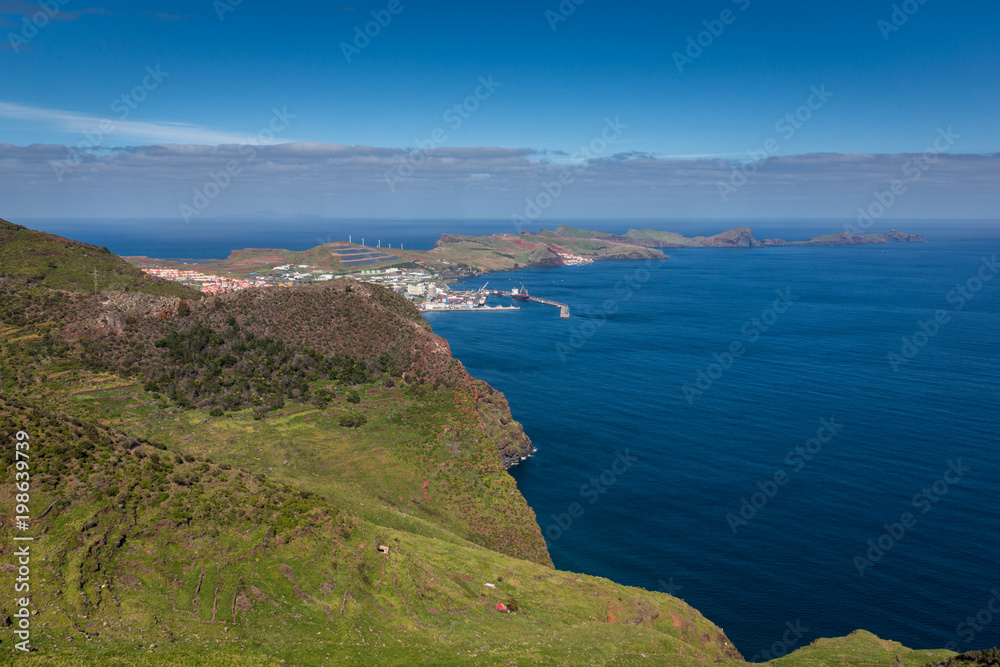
column 458, row 257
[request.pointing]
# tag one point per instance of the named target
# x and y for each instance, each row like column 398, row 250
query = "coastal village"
column 422, row 277
column 426, row 289
column 423, row 288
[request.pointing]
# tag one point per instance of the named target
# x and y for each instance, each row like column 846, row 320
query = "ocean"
column 799, row 442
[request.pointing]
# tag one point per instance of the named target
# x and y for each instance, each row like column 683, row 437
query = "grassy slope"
column 58, row 263
column 216, row 565
column 671, row 238
column 457, row 254
column 572, row 232
column 447, row 433
column 639, row 235
column 419, row 464
column 847, row 238
column 504, row 251
column 199, row 534
column 860, row 648
column 665, row 237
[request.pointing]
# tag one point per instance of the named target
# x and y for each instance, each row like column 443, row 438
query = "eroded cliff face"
column 738, row 237
column 513, row 444
column 897, row 236
column 851, row 238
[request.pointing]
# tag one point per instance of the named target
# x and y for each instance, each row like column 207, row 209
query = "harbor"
column 437, row 300
column 444, row 308
column 522, row 295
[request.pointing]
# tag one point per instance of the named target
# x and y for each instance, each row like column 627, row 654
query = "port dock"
column 563, row 308
column 470, row 309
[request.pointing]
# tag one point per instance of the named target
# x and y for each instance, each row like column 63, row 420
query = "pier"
column 472, row 309
column 563, row 308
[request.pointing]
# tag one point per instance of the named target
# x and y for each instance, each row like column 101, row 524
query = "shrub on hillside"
column 352, row 420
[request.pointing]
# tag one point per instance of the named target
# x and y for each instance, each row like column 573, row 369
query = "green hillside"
column 51, row 261
column 209, row 486
column 574, row 232
column 225, row 536
column 155, row 556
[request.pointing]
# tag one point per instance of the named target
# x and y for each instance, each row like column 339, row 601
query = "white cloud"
column 696, row 155
column 339, row 180
column 145, row 132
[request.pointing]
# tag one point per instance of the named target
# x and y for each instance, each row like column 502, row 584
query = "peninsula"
column 457, row 257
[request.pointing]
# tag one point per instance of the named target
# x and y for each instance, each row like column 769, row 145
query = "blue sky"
column 212, row 74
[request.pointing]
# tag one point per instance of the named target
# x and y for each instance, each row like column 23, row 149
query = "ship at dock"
column 522, row 295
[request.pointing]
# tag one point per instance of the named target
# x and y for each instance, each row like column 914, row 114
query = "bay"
column 612, row 380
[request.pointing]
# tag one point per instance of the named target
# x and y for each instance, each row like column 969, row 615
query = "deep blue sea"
column 728, row 425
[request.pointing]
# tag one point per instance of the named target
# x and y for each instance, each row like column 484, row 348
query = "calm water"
column 215, row 238
column 661, row 522
column 612, row 382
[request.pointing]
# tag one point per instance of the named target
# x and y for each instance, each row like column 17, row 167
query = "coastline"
column 349, row 318
column 456, row 257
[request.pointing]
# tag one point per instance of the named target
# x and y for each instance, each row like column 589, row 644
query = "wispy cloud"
column 164, row 132
column 10, row 9
column 695, row 155
column 164, row 16
column 321, row 178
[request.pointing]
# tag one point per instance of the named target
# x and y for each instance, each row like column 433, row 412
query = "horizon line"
column 504, row 220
